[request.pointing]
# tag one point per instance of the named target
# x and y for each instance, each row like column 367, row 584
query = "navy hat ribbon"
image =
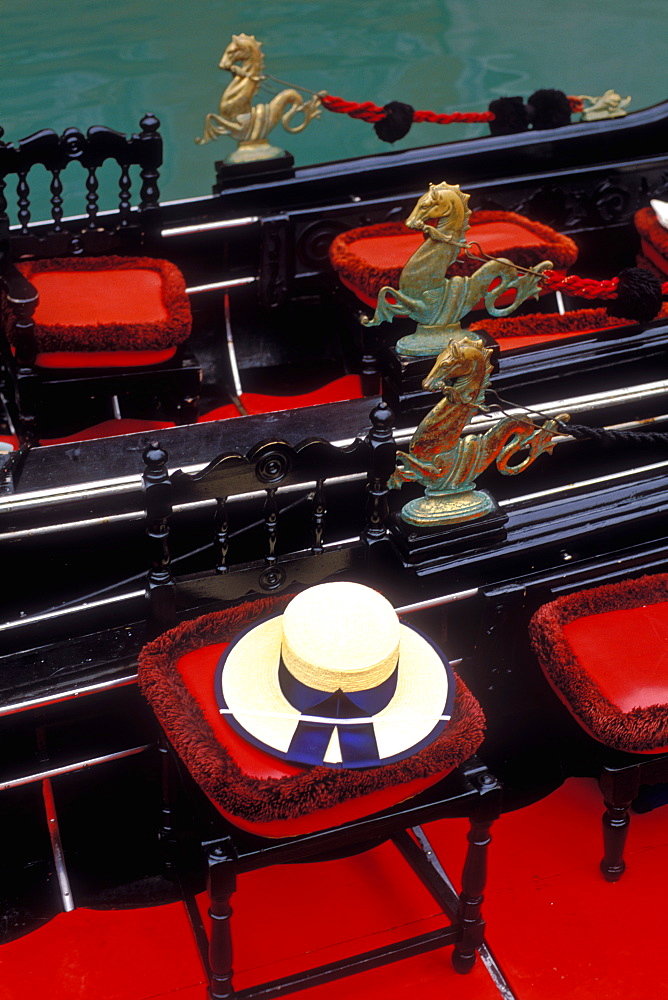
column 311, row 738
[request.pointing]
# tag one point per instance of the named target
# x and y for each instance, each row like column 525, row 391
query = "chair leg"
column 474, row 877
column 167, row 835
column 619, row 788
column 222, row 883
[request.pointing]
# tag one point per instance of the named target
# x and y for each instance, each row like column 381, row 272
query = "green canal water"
column 107, row 62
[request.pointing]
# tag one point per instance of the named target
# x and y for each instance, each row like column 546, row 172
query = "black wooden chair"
column 603, row 651
column 93, row 321
column 240, row 827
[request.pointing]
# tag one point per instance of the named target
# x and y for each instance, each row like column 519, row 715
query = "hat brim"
column 249, row 695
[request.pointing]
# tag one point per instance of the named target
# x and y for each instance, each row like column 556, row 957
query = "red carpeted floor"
column 555, row 926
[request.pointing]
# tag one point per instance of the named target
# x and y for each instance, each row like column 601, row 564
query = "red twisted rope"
column 369, row 112
column 585, row 288
column 372, row 113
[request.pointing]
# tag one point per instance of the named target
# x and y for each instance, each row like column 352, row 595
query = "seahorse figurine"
column 247, row 123
column 608, row 105
column 447, row 463
column 438, row 303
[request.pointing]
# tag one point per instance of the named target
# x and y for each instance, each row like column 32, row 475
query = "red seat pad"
column 653, row 238
column 103, row 359
column 249, row 787
column 605, row 652
column 111, row 428
column 368, row 258
column 512, row 332
column 108, row 304
column 347, row 387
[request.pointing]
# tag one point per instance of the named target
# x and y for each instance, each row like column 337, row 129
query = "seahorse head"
column 442, row 201
column 464, row 359
column 245, row 49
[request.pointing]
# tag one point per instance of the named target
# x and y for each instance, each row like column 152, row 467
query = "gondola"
column 107, row 544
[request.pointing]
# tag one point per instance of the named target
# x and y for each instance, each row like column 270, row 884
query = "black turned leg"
column 474, row 877
column 615, row 828
column 167, row 836
column 619, row 789
column 222, row 883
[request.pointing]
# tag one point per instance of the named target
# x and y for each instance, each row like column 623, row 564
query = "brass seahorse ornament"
column 447, row 463
column 426, row 295
column 608, row 105
column 249, row 123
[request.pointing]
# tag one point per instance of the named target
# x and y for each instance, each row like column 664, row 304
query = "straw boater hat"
column 336, row 680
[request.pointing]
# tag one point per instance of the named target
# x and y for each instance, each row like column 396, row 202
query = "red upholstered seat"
column 111, row 428
column 368, row 258
column 605, row 653
column 653, row 240
column 98, row 312
column 347, row 387
column 249, row 787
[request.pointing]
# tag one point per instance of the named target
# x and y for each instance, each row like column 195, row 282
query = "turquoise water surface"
column 106, row 62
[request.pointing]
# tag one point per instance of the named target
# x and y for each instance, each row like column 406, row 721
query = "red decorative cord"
column 369, row 112
column 456, row 116
column 585, row 288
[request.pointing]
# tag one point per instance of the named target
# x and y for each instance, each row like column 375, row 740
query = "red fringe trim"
column 560, row 249
column 548, row 324
column 651, row 230
column 284, row 798
column 109, row 336
column 638, row 731
column 650, row 265
column 553, row 324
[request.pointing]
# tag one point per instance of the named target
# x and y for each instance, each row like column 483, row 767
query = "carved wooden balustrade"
column 282, row 516
column 93, row 233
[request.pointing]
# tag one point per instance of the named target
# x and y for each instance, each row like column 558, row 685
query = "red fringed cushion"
column 347, row 387
column 605, row 653
column 653, row 239
column 108, row 304
column 537, row 328
column 253, row 789
column 373, row 256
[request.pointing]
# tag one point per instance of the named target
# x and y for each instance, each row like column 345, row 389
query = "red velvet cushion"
column 373, row 256
column 653, row 238
column 108, row 304
column 248, row 786
column 605, row 652
column 347, row 387
column 625, row 653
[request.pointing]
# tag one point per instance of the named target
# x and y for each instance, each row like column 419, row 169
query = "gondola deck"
column 72, row 530
column 554, row 925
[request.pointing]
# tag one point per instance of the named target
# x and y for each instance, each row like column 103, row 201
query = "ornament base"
column 442, row 510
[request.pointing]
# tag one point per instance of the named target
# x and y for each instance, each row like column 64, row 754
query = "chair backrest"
column 282, row 516
column 91, row 231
